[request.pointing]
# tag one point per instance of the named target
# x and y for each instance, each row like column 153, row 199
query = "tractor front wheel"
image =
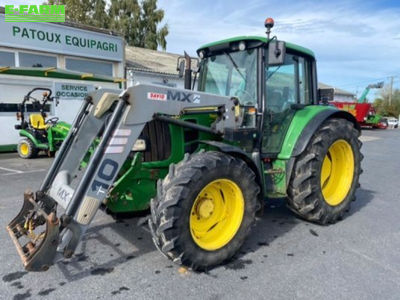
column 326, row 175
column 26, row 149
column 204, row 209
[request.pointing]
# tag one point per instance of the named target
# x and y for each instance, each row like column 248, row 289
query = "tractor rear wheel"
column 326, row 175
column 204, row 209
column 26, row 149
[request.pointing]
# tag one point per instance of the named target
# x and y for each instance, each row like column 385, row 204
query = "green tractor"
column 38, row 133
column 203, row 161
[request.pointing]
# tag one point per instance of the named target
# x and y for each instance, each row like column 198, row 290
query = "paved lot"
column 285, row 258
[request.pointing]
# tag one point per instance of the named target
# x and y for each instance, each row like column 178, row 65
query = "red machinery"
column 364, row 111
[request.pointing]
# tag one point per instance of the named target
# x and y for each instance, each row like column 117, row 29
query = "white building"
column 339, row 95
column 150, row 66
column 64, row 57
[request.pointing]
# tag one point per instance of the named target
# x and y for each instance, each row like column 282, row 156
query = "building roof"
column 337, row 90
column 147, row 60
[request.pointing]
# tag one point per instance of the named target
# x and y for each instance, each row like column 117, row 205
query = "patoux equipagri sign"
column 61, row 39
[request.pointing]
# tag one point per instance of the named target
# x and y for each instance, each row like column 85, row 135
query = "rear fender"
column 29, row 135
column 315, row 123
column 308, row 131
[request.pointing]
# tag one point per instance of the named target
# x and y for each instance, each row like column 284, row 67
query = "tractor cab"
column 271, row 79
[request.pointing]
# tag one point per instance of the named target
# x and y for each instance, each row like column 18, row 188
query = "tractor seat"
column 37, row 121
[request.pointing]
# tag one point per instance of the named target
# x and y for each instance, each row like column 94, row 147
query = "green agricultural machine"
column 203, row 161
column 38, row 133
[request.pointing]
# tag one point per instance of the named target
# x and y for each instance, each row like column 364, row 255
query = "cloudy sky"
column 356, row 42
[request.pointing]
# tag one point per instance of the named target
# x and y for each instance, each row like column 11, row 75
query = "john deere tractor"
column 203, row 161
column 38, row 133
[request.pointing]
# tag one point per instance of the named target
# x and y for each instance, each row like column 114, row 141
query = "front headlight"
column 140, row 145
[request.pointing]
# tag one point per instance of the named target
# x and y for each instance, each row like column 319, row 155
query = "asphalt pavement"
column 284, row 258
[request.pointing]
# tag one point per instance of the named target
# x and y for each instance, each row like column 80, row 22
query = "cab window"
column 285, row 85
column 288, row 83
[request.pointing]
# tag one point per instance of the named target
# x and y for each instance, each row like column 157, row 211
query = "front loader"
column 203, row 161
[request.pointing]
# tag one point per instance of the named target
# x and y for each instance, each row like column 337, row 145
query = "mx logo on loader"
column 175, row 96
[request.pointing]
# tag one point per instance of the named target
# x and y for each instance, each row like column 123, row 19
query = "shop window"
column 36, row 60
column 89, row 66
column 13, row 107
column 8, row 107
column 7, row 59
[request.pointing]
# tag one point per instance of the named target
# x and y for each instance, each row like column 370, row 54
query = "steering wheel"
column 53, row 120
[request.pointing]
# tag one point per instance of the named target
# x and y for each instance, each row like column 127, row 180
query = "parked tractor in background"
column 363, row 111
column 204, row 161
column 38, row 133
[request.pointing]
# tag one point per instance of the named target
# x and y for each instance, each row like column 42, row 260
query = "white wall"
column 14, row 88
column 343, row 98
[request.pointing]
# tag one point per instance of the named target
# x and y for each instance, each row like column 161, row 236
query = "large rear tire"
column 26, row 148
column 204, row 209
column 326, row 175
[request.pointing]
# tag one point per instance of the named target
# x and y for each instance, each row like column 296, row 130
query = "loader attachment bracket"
column 35, row 233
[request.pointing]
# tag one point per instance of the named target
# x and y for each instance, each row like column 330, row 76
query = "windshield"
column 231, row 74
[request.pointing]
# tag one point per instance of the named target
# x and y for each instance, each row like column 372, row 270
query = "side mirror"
column 276, row 53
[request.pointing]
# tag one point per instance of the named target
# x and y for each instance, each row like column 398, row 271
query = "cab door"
column 287, row 89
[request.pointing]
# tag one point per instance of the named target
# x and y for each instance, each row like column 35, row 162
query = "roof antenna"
column 269, row 23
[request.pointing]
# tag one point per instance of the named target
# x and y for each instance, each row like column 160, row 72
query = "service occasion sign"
column 72, row 91
column 49, row 37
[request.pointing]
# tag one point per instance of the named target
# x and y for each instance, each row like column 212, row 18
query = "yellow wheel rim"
column 216, row 214
column 337, row 172
column 24, row 149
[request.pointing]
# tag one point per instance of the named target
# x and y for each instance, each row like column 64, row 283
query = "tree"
column 100, row 17
column 382, row 105
column 125, row 18
column 139, row 22
column 150, row 18
column 77, row 11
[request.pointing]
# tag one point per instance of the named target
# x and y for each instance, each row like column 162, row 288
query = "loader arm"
column 116, row 119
